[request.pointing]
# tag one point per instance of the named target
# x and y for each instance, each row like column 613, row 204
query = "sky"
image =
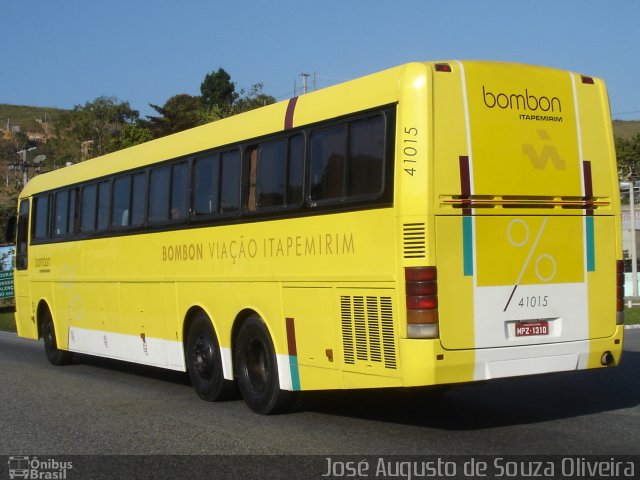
column 68, row 52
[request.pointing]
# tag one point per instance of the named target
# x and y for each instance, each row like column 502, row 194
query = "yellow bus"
column 434, row 223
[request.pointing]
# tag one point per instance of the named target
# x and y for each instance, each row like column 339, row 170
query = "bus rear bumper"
column 425, row 362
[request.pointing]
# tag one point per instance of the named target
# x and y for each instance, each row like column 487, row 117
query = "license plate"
column 528, row 329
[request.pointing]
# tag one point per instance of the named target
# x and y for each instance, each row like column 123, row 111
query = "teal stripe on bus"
column 293, row 353
column 591, row 252
column 295, row 374
column 467, row 245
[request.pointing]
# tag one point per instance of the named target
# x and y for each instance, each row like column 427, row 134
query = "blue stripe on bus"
column 591, row 252
column 467, row 245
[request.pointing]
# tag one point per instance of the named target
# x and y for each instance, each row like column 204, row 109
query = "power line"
column 627, row 113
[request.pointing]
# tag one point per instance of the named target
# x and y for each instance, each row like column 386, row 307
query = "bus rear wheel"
column 204, row 362
column 54, row 354
column 257, row 369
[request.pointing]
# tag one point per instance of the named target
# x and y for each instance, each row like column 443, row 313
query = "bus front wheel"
column 54, row 354
column 204, row 362
column 257, row 369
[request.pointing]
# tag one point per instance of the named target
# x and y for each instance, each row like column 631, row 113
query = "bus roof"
column 360, row 94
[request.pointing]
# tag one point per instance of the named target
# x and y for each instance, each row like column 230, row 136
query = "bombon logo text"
column 524, row 101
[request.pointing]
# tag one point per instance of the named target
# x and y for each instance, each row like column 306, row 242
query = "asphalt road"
column 103, row 407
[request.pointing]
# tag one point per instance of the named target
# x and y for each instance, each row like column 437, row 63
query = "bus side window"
column 64, row 213
column 159, row 192
column 366, row 156
column 138, row 199
column 230, row 182
column 41, row 218
column 22, row 237
column 104, row 196
column 120, row 207
column 252, row 154
column 206, row 177
column 271, row 174
column 328, row 152
column 179, row 192
column 295, row 170
column 88, row 208
column 61, row 214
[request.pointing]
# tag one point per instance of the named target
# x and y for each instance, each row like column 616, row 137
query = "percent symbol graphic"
column 522, row 242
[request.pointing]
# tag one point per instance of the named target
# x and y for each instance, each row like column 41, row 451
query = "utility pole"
column 25, row 165
column 634, row 258
column 304, row 82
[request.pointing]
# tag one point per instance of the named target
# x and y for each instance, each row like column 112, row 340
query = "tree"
column 178, row 113
column 217, row 89
column 95, row 128
column 254, row 99
column 628, row 155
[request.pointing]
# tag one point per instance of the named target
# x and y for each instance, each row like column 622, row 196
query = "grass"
column 7, row 322
column 632, row 316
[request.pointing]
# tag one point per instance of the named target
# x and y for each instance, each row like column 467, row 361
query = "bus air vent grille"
column 414, row 239
column 367, row 330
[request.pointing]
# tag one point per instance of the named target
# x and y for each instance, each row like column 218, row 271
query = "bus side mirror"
column 10, row 231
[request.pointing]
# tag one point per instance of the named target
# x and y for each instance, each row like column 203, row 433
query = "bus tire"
column 257, row 369
column 204, row 362
column 54, row 354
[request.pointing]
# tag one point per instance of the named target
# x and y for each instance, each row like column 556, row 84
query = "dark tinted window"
column 366, row 156
column 22, row 245
column 64, row 213
column 180, row 192
column 271, row 174
column 73, row 201
column 41, row 210
column 120, row 210
column 104, row 195
column 296, row 170
column 61, row 214
column 206, row 177
column 138, row 199
column 159, row 190
column 327, row 167
column 88, row 216
column 230, row 182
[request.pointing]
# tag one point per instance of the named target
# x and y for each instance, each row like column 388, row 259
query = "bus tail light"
column 619, row 292
column 443, row 67
column 421, row 286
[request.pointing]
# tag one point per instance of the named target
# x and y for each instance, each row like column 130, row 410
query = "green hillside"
column 626, row 128
column 29, row 119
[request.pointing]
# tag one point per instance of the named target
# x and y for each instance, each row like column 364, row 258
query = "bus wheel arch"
column 47, row 331
column 203, row 357
column 256, row 365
